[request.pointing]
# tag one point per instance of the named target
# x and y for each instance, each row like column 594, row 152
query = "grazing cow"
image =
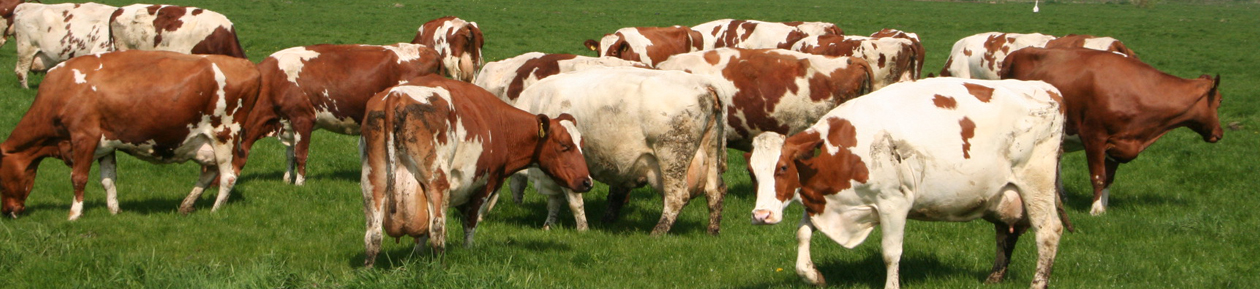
column 327, row 86
column 49, row 34
column 1091, row 42
column 507, row 78
column 1117, row 105
column 980, row 56
column 892, row 60
column 753, row 34
column 776, row 90
column 941, row 149
column 640, row 126
column 649, row 45
column 458, row 41
column 437, row 143
column 158, row 106
column 174, row 28
column 918, row 45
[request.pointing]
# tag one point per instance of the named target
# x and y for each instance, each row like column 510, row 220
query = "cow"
column 940, row 149
column 158, row 106
column 458, row 41
column 174, row 28
column 1117, row 106
column 327, row 86
column 437, row 143
column 892, row 60
column 648, row 45
column 1091, row 42
column 775, row 90
column 6, row 18
column 754, row 34
column 639, row 127
column 980, row 56
column 47, row 34
column 507, row 78
column 913, row 37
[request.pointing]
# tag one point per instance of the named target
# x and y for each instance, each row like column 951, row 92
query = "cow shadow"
column 403, row 255
column 869, row 271
column 157, row 205
column 1082, row 199
column 639, row 216
column 345, row 175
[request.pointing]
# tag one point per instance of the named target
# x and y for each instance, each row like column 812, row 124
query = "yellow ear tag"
column 541, row 133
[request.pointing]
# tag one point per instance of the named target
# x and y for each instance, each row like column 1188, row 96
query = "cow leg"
column 516, row 184
column 804, row 264
column 578, row 206
column 553, row 210
column 1006, row 238
column 1096, row 157
column 80, row 167
column 618, row 196
column 109, row 173
column 472, row 216
column 715, row 193
column 675, row 199
column 227, row 180
column 26, row 56
column 893, row 224
column 302, row 128
column 208, row 174
column 1048, row 230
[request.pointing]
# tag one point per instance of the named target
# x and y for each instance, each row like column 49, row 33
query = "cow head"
column 458, row 41
column 776, row 163
column 17, row 175
column 1206, row 121
column 559, row 152
column 612, row 45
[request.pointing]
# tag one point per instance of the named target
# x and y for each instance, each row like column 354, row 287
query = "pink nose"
column 760, row 216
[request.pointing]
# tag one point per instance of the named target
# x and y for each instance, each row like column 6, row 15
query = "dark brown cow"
column 158, row 106
column 649, row 45
column 458, row 41
column 437, row 143
column 327, row 86
column 1117, row 106
column 174, row 28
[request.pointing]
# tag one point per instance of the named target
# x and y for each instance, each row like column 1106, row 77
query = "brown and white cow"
column 6, row 18
column 980, row 56
column 639, row 127
column 47, row 34
column 437, row 143
column 754, row 34
column 776, row 90
column 913, row 37
column 892, row 60
column 507, row 78
column 1117, row 106
column 158, row 106
column 649, row 45
column 327, row 86
column 174, row 28
column 458, row 41
column 939, row 149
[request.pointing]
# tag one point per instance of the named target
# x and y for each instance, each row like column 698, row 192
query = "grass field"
column 1182, row 216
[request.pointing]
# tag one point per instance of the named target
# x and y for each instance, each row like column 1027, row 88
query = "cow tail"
column 866, row 82
column 1058, row 198
column 390, row 127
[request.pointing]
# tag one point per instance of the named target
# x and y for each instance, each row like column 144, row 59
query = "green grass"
column 1181, row 216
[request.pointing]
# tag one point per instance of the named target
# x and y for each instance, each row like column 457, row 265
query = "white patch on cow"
column 325, row 119
column 767, row 149
column 405, row 51
column 1099, row 43
column 573, row 133
column 80, row 78
column 292, row 60
column 638, row 43
column 421, row 93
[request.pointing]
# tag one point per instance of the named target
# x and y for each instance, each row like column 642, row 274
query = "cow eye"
column 783, row 169
column 565, row 147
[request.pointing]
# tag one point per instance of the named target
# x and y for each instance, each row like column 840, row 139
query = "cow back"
column 507, row 78
column 458, row 41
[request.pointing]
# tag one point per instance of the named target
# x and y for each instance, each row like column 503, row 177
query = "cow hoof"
column 185, row 210
column 1097, row 209
column 546, row 227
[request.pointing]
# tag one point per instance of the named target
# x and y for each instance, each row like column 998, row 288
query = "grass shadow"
column 869, row 272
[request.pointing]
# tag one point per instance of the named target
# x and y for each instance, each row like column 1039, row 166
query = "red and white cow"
column 639, row 126
column 6, row 18
column 1117, row 106
column 754, row 34
column 775, row 90
column 458, row 41
column 327, row 86
column 174, row 28
column 892, row 60
column 47, row 34
column 507, row 78
column 980, row 56
column 649, row 45
column 913, row 37
column 158, row 106
column 437, row 143
column 940, row 149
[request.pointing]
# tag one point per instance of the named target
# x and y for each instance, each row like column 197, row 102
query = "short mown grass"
column 1181, row 216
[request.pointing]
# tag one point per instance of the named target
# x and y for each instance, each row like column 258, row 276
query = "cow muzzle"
column 763, row 217
column 585, row 185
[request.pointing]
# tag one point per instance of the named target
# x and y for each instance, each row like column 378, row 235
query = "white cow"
column 174, row 28
column 641, row 126
column 48, row 34
column 941, row 149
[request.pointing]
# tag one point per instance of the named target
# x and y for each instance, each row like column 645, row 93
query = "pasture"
column 1181, row 216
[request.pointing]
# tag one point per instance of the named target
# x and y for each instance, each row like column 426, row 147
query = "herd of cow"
column 846, row 125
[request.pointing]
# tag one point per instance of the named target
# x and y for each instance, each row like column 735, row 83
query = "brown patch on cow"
column 966, row 52
column 197, row 11
column 983, row 93
column 945, row 102
column 713, row 57
column 760, row 90
column 968, row 132
column 1058, row 98
column 829, row 174
column 995, row 43
column 882, row 59
column 221, row 41
column 540, row 68
column 167, row 19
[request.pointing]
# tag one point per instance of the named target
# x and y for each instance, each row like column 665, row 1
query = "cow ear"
column 544, row 125
column 1216, row 84
column 802, row 148
column 592, row 45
